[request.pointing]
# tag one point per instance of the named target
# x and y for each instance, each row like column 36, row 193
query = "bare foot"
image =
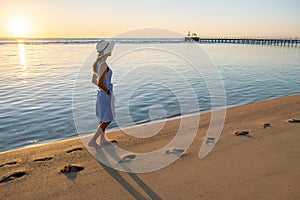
column 93, row 144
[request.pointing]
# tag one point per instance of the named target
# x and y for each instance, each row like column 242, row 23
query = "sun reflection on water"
column 23, row 60
column 22, row 54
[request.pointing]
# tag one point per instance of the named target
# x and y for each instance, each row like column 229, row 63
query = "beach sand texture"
column 263, row 164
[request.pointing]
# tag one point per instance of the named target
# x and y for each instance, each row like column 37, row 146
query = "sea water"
column 46, row 94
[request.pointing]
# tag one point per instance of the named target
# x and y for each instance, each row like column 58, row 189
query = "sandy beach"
column 263, row 164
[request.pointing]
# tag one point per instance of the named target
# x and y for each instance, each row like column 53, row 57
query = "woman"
column 104, row 105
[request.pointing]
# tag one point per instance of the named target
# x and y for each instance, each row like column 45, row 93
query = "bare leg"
column 92, row 142
column 100, row 131
column 103, row 139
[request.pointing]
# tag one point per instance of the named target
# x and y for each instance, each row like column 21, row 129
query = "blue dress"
column 105, row 109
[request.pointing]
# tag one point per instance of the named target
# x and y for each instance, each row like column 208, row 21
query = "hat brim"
column 109, row 48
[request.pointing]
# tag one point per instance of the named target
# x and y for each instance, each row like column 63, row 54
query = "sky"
column 99, row 18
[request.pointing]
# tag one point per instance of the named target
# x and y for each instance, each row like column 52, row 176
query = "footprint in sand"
column 43, row 159
column 9, row 163
column 75, row 149
column 267, row 125
column 241, row 133
column 71, row 168
column 178, row 152
column 12, row 176
column 294, row 120
column 128, row 157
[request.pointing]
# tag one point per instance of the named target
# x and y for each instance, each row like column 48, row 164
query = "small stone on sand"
column 71, row 168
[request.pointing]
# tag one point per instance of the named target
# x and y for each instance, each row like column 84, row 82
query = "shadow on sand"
column 118, row 177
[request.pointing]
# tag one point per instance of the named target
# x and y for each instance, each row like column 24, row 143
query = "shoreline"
column 263, row 164
column 176, row 117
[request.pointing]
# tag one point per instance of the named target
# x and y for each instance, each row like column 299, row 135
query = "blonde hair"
column 95, row 65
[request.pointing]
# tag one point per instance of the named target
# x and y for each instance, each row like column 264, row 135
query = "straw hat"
column 103, row 47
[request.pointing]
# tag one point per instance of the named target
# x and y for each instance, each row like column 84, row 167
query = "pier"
column 292, row 42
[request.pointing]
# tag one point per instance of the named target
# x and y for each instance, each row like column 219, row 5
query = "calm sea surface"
column 46, row 93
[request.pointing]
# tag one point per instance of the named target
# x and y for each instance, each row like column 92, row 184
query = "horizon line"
column 212, row 37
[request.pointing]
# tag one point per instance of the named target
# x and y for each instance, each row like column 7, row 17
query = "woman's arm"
column 101, row 79
column 94, row 79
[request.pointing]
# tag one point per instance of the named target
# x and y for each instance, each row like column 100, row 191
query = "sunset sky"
column 99, row 18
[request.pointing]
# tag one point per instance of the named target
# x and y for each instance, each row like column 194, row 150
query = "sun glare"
column 18, row 27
